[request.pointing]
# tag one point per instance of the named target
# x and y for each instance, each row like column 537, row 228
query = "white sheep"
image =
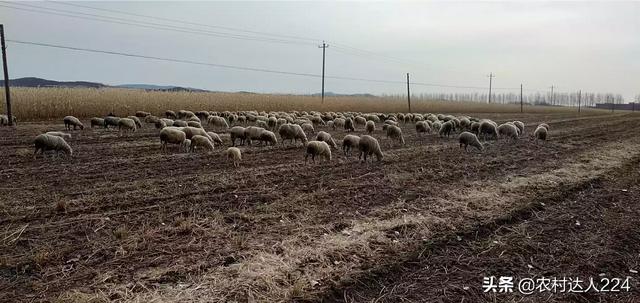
column 201, row 141
column 180, row 123
column 46, row 142
column 394, row 132
column 218, row 122
column 234, row 154
column 292, row 132
column 350, row 142
column 172, row 135
column 467, row 138
column 520, row 126
column 136, row 120
column 59, row 134
column 170, row 114
column 126, row 125
column 237, row 132
column 142, row 114
column 540, row 133
column 545, row 125
column 360, row 120
column 194, row 124
column 95, row 121
column 72, row 121
column 487, row 128
column 268, row 137
column 348, row 125
column 317, row 148
column 423, row 127
column 370, row 126
column 508, row 130
column 308, row 128
column 253, row 133
column 369, row 146
column 215, row 138
column 446, row 129
column 326, row 137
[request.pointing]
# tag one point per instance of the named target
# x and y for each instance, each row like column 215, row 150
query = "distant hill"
column 39, row 82
column 332, row 94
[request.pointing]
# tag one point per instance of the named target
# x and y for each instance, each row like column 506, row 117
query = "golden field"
column 52, row 103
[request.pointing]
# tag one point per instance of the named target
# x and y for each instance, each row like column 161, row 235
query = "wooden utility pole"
column 408, row 93
column 491, row 75
column 521, row 102
column 579, row 99
column 552, row 103
column 6, row 75
column 324, row 48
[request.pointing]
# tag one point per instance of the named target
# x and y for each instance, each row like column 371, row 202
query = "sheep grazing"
column 151, row 119
column 465, row 123
column 262, row 124
column 317, row 148
column 126, row 125
column 253, row 133
column 4, row 120
column 59, row 134
column 391, row 122
column 237, row 133
column 170, row 114
column 370, row 126
column 475, row 127
column 234, row 154
column 268, row 138
column 194, row 124
column 202, row 115
column 446, row 129
column 486, row 129
column 142, row 114
column 508, row 130
column 272, row 123
column 330, row 125
column 350, row 142
column 180, row 123
column 45, row 142
column 395, row 132
column 218, row 122
column 136, row 120
column 292, row 132
column 95, row 121
column 338, row 122
column 215, row 138
column 348, row 125
column 467, row 138
column 172, row 135
column 111, row 121
column 540, row 133
column 545, row 125
column 192, row 131
column 326, row 137
column 201, row 141
column 361, row 120
column 520, row 126
column 72, row 121
column 369, row 146
column 422, row 127
column 308, row 128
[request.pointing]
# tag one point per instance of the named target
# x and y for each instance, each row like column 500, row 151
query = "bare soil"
column 122, row 221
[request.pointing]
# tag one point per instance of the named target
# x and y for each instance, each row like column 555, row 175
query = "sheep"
column 348, row 125
column 395, row 132
column 4, row 120
column 185, row 114
column 540, row 133
column 422, row 127
column 508, row 130
column 268, row 137
column 262, row 124
column 151, row 119
column 201, row 141
column 253, row 133
column 467, row 138
column 272, row 123
column 45, row 142
column 59, row 134
column 95, row 121
column 237, row 132
column 142, row 114
column 520, row 126
column 317, row 148
column 186, row 145
column 111, row 120
column 330, row 125
column 391, row 122
column 126, row 124
column 192, row 131
column 170, row 114
column 172, row 135
column 338, row 122
column 545, row 125
column 475, row 127
column 436, row 125
column 194, row 124
column 215, row 138
column 193, row 119
column 369, row 146
column 72, row 121
column 136, row 120
column 218, row 122
column 465, row 123
column 486, row 129
column 202, row 115
column 308, row 128
column 370, row 126
column 166, row 122
column 180, row 123
column 234, row 154
column 292, row 132
column 361, row 120
column 326, row 137
column 350, row 142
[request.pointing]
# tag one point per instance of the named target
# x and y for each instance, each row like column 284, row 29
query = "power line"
column 236, row 67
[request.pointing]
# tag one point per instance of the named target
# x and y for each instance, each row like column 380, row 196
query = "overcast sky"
column 573, row 45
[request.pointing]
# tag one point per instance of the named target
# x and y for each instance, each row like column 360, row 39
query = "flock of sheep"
column 185, row 129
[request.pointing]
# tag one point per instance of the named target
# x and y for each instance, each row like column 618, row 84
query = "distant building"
column 627, row 106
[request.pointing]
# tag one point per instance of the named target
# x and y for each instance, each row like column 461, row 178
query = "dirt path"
column 140, row 225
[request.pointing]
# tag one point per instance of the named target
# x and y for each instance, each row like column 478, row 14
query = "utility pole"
column 408, row 93
column 579, row 99
column 491, row 75
column 521, row 103
column 552, row 103
column 324, row 48
column 6, row 75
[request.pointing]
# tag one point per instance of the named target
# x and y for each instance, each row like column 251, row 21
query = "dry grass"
column 53, row 103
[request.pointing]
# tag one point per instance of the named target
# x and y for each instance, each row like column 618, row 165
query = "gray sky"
column 574, row 45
